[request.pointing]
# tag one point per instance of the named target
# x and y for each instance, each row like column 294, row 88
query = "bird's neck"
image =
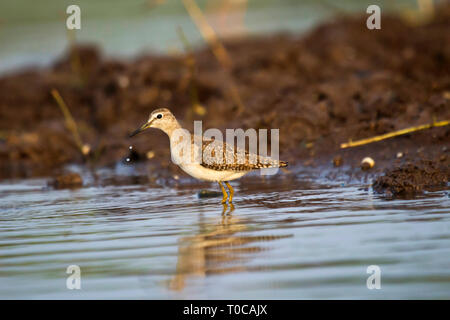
column 180, row 144
column 169, row 130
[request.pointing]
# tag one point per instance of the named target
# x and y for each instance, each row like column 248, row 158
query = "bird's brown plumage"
column 233, row 159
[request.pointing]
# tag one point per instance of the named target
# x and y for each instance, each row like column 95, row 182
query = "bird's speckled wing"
column 218, row 155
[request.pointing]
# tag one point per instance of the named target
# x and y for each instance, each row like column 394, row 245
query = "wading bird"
column 232, row 164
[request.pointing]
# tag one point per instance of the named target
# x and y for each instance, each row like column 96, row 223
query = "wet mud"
column 412, row 178
column 338, row 82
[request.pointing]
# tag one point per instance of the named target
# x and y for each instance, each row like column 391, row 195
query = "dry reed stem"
column 217, row 48
column 207, row 32
column 426, row 7
column 70, row 122
column 197, row 108
column 394, row 134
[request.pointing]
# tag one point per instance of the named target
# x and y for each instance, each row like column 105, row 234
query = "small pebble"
column 446, row 95
column 209, row 194
column 68, row 180
column 367, row 163
column 85, row 149
column 199, row 109
column 399, row 154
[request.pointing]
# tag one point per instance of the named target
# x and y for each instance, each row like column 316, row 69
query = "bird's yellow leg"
column 225, row 195
column 224, row 211
column 231, row 191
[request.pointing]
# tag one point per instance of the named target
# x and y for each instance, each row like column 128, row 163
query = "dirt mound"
column 412, row 178
column 340, row 81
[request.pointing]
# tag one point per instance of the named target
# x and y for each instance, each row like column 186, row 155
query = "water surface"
column 292, row 236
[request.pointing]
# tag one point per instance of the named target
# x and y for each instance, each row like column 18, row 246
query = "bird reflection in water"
column 217, row 248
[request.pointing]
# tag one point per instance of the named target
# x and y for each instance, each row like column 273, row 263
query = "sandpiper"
column 207, row 168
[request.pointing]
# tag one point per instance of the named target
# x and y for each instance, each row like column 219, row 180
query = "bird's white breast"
column 199, row 172
column 179, row 150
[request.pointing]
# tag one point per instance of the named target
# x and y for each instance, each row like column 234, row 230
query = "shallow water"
column 292, row 236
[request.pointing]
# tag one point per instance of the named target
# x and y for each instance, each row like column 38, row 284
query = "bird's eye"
column 159, row 116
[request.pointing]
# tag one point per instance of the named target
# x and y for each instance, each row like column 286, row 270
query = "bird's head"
column 159, row 119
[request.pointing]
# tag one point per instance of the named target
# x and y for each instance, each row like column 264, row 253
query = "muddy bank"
column 410, row 179
column 340, row 81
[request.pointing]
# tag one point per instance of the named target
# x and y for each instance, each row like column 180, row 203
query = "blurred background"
column 34, row 34
column 144, row 229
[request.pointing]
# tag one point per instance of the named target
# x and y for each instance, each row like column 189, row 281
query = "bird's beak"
column 144, row 127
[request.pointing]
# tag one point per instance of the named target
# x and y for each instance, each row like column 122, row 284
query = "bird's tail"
column 283, row 164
